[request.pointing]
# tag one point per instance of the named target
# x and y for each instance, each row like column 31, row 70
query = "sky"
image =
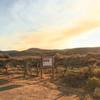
column 49, row 24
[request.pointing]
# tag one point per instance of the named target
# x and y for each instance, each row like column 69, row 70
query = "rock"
column 97, row 92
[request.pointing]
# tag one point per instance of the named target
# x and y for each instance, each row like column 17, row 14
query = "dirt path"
column 33, row 89
column 34, row 92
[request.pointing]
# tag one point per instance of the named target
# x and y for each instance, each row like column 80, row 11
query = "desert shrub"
column 92, row 83
column 75, row 80
column 96, row 72
column 4, row 56
column 75, row 61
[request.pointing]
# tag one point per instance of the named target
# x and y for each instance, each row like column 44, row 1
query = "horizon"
column 51, row 49
column 49, row 24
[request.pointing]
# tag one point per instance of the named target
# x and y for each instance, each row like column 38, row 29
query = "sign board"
column 47, row 61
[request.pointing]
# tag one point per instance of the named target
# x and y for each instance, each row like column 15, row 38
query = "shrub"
column 92, row 83
column 96, row 72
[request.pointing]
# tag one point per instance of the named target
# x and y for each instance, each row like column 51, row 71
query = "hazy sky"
column 49, row 24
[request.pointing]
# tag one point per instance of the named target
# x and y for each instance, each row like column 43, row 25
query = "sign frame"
column 47, row 66
column 47, row 61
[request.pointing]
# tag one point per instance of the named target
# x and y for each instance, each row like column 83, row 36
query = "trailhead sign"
column 47, row 61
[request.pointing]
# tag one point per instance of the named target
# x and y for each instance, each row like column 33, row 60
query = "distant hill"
column 29, row 52
column 81, row 51
column 37, row 51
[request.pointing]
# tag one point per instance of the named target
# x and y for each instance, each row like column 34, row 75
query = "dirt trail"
column 32, row 89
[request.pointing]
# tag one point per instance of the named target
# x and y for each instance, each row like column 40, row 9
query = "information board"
column 47, row 61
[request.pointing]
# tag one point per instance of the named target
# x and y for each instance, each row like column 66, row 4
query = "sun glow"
column 49, row 24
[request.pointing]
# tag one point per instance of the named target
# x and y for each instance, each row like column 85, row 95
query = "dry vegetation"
column 77, row 76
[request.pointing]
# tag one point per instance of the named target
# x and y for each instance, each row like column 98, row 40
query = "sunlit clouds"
column 49, row 24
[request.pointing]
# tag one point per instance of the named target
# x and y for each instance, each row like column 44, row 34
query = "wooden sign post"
column 47, row 62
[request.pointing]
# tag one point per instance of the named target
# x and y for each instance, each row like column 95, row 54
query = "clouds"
column 80, row 28
column 46, row 23
column 31, row 15
column 88, row 39
column 58, row 39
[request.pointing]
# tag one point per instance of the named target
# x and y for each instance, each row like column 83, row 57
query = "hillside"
column 36, row 51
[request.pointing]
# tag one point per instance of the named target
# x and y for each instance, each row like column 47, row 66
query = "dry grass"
column 69, row 87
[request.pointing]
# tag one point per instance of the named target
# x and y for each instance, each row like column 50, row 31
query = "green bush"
column 92, row 83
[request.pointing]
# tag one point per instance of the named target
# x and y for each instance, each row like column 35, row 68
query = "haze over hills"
column 37, row 51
